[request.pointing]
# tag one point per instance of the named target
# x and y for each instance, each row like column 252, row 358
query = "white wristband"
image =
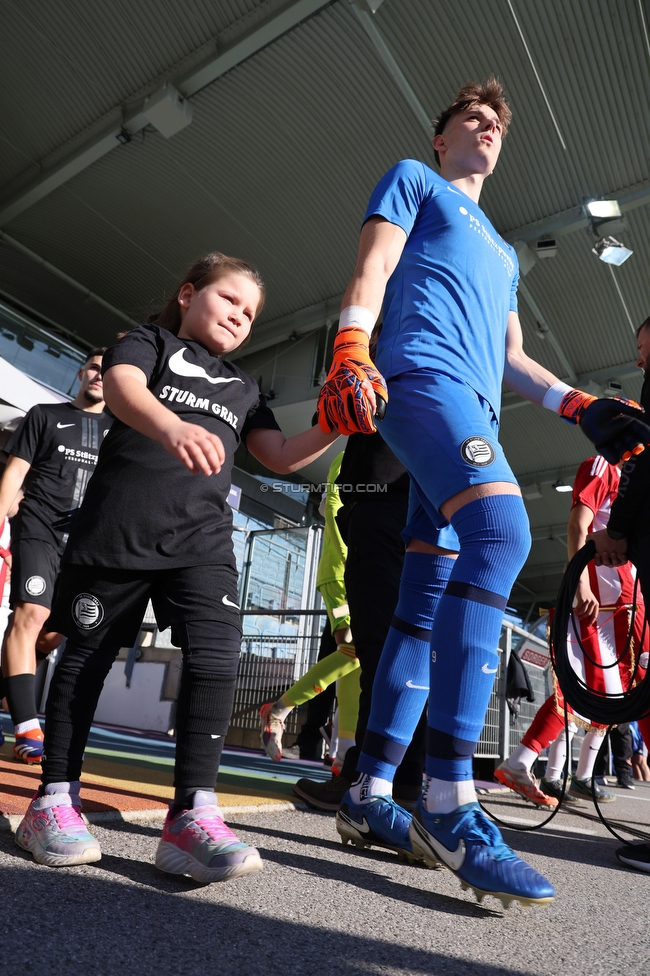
column 554, row 396
column 358, row 316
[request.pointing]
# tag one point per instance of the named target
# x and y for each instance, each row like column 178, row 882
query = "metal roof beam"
column 365, row 9
column 569, row 221
column 279, row 23
column 128, row 120
column 546, row 333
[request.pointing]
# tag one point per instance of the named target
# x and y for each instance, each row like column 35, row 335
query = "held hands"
column 612, row 424
column 354, row 392
column 199, row 450
column 615, row 428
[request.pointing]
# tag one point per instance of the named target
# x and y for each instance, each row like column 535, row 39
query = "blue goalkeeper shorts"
column 445, row 435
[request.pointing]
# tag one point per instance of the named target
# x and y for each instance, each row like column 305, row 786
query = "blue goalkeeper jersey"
column 447, row 302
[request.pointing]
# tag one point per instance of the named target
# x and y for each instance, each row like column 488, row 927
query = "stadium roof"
column 138, row 135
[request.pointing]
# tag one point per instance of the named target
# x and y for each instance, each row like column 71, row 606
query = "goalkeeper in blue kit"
column 431, row 260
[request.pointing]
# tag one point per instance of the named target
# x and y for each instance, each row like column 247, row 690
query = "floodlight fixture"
column 603, row 209
column 611, row 251
column 562, row 486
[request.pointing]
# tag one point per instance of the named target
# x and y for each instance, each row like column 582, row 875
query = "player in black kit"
column 155, row 527
column 52, row 456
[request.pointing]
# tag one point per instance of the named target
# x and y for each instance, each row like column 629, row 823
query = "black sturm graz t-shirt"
column 143, row 509
column 61, row 444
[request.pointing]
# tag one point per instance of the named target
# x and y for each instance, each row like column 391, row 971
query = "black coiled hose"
column 597, row 706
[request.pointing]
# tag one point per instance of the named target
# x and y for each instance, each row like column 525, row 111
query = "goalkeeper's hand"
column 615, row 428
column 345, row 401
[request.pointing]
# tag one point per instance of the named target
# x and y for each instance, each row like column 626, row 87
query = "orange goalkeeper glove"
column 342, row 403
column 612, row 424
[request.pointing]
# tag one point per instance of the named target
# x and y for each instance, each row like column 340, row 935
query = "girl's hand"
column 199, row 450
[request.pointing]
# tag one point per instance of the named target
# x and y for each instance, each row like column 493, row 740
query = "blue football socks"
column 401, row 685
column 494, row 542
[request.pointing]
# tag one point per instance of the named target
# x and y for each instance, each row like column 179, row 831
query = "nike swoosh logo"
column 61, row 426
column 409, row 684
column 487, row 670
column 215, row 736
column 179, row 366
column 453, row 859
column 363, row 827
column 229, row 603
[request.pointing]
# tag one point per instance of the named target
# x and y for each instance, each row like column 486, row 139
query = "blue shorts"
column 445, row 435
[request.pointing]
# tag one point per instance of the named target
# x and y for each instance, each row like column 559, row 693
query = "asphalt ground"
column 324, row 909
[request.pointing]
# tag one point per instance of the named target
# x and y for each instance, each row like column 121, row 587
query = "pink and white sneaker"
column 198, row 843
column 54, row 831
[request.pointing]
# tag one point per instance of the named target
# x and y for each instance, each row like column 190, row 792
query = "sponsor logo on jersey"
column 35, row 586
column 61, row 426
column 477, row 451
column 487, row 670
column 75, row 454
column 199, row 403
column 178, row 365
column 476, row 225
column 87, row 611
column 229, row 603
column 409, row 684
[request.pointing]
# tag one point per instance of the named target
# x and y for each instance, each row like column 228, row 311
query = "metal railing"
column 270, row 665
column 501, row 733
column 283, row 617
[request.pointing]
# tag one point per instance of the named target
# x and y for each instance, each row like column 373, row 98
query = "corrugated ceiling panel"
column 46, row 296
column 272, row 169
column 577, row 295
column 535, row 439
column 68, row 64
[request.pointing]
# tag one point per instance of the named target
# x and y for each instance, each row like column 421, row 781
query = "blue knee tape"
column 494, row 542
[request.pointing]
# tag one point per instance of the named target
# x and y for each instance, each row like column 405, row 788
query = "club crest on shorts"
column 477, row 451
column 87, row 611
column 35, row 586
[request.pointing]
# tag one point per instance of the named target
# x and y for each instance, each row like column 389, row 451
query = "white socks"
column 23, row 727
column 441, row 796
column 522, row 757
column 557, row 754
column 588, row 753
column 368, row 786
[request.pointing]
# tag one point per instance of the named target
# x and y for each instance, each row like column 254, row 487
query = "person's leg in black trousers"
column 372, row 576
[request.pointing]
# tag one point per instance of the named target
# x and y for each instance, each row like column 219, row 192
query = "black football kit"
column 61, row 443
column 150, row 529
